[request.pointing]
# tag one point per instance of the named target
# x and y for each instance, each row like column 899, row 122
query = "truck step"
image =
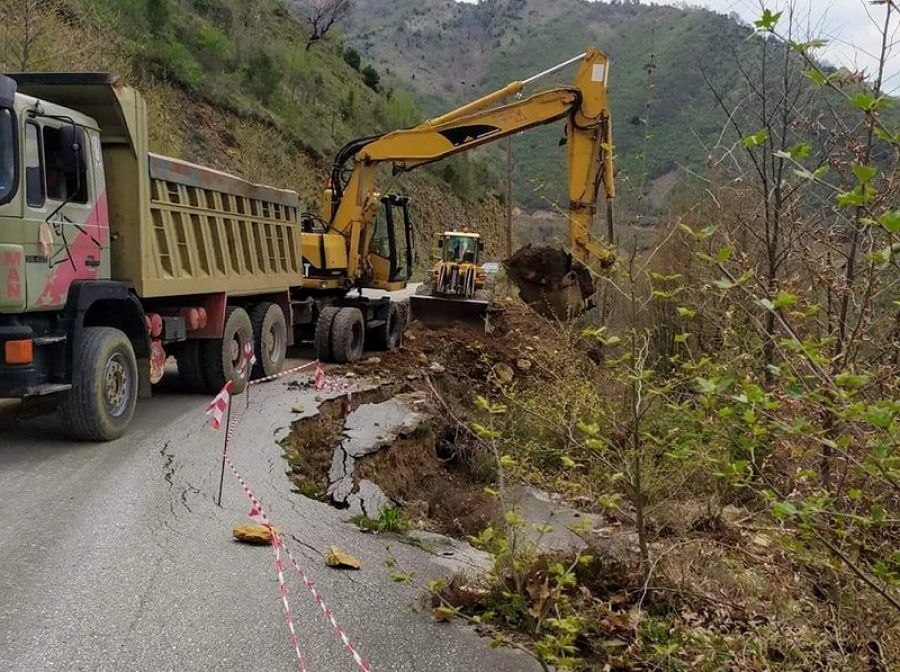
column 49, row 340
column 49, row 388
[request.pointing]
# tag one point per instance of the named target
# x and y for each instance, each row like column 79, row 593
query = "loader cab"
column 460, row 247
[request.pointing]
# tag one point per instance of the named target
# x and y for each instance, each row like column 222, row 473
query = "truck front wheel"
column 101, row 403
column 222, row 357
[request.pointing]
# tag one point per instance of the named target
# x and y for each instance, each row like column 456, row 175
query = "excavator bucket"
column 552, row 282
column 442, row 311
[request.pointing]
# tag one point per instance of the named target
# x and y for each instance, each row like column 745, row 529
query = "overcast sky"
column 853, row 28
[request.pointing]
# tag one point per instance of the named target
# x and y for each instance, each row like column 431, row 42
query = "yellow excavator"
column 353, row 244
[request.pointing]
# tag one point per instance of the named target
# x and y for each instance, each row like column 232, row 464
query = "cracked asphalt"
column 115, row 557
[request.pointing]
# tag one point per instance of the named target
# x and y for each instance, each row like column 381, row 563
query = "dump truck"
column 113, row 259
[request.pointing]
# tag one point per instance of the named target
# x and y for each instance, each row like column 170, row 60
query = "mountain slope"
column 230, row 84
column 450, row 52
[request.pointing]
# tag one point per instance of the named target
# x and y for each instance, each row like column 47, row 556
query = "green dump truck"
column 113, row 259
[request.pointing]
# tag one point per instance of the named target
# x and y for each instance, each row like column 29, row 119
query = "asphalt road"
column 115, row 557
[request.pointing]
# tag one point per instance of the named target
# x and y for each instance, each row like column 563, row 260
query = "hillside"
column 230, row 84
column 451, row 51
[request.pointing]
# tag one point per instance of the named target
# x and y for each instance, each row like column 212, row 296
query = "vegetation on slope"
column 231, row 84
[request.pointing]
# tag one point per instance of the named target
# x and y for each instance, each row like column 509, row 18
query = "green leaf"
column 800, row 151
column 864, row 174
column 681, row 338
column 864, row 101
column 891, row 221
column 686, row 313
column 484, row 433
column 851, row 380
column 881, row 415
column 817, row 77
column 785, row 300
column 724, row 283
column 508, row 462
column 768, row 304
column 756, row 139
column 397, row 577
column 854, row 494
column 513, row 519
column 784, row 510
column 768, row 20
column 568, row 462
column 857, row 197
column 724, row 254
column 591, row 429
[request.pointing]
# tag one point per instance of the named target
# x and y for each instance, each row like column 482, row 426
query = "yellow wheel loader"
column 454, row 290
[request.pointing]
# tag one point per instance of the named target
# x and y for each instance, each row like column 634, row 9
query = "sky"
column 852, row 27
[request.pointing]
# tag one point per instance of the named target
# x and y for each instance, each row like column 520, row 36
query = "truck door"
column 64, row 199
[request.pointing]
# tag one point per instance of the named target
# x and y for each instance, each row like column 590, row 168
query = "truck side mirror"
column 8, row 89
column 71, row 149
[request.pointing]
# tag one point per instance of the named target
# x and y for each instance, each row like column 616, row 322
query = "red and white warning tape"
column 329, row 615
column 276, row 376
column 259, row 514
column 282, row 589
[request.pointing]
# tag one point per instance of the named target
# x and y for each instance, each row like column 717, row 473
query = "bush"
column 352, row 58
column 371, row 78
column 175, row 62
column 263, row 76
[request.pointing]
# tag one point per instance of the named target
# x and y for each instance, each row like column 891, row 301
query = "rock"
column 350, row 374
column 408, row 336
column 524, row 364
column 412, row 376
column 255, row 535
column 373, row 360
column 298, row 408
column 320, row 398
column 422, row 358
column 339, row 560
column 437, row 367
column 504, row 373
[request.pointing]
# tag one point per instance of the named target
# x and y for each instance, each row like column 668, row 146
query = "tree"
column 371, row 78
column 159, row 14
column 352, row 58
column 322, row 15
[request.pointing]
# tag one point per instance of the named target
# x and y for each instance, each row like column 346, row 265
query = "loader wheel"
column 100, row 404
column 190, row 367
column 270, row 338
column 323, row 333
column 222, row 357
column 388, row 336
column 348, row 335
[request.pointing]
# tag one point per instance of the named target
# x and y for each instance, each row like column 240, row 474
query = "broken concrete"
column 550, row 522
column 367, row 430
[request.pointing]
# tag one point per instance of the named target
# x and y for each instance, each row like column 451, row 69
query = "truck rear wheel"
column 388, row 336
column 101, row 403
column 348, row 335
column 270, row 338
column 323, row 333
column 222, row 356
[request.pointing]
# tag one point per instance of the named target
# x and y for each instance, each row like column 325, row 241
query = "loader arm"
column 352, row 201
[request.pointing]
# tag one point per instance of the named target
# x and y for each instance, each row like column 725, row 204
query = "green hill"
column 450, row 52
column 230, row 84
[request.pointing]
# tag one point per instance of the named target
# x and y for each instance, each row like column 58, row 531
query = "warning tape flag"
column 218, row 406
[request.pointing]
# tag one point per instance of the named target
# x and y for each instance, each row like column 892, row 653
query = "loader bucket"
column 551, row 281
column 441, row 311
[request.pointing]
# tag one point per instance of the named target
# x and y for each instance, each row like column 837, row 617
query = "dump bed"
column 177, row 228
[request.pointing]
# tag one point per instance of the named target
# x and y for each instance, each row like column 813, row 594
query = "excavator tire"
column 323, row 333
column 348, row 335
column 389, row 335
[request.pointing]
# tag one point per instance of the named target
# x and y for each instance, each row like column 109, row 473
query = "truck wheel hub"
column 116, row 377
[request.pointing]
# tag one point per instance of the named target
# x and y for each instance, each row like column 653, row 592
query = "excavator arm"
column 352, row 200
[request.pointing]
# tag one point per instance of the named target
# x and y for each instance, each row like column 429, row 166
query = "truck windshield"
column 7, row 156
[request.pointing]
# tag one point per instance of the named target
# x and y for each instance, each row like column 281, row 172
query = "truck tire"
column 348, row 335
column 221, row 357
column 190, row 367
column 269, row 337
column 101, row 403
column 323, row 333
column 388, row 336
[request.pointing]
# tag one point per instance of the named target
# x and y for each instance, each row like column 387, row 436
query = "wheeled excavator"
column 348, row 247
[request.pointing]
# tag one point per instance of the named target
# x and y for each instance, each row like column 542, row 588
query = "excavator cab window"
column 393, row 244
